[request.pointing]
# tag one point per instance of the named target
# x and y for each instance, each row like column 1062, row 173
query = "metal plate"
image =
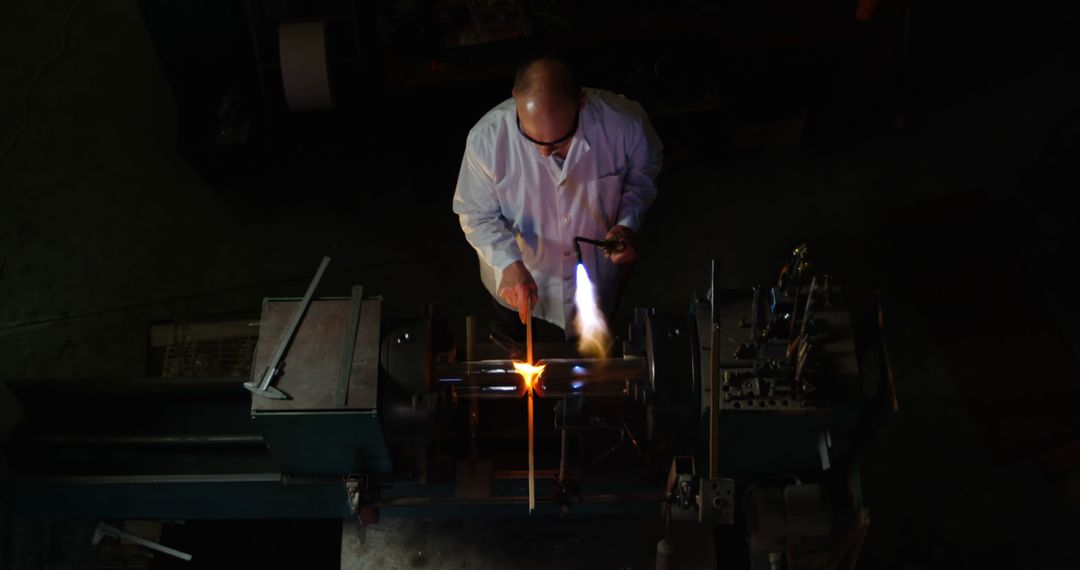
column 717, row 501
column 312, row 363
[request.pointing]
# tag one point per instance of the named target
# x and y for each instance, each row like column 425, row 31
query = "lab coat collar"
column 587, row 123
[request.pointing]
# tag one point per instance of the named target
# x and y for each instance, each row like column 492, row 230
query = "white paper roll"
column 302, row 47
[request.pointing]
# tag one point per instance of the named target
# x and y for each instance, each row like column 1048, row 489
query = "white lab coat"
column 514, row 204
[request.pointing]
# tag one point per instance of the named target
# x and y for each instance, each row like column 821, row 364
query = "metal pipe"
column 150, row 479
column 474, row 408
column 794, row 310
column 798, row 257
column 755, row 314
column 714, row 294
column 808, row 311
column 562, row 455
column 513, row 500
column 144, row 440
column 714, row 404
column 714, row 375
column 793, row 342
column 562, row 444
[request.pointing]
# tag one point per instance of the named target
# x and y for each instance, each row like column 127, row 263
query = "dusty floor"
column 103, row 229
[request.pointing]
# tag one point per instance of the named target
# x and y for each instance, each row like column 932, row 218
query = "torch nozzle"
column 609, row 246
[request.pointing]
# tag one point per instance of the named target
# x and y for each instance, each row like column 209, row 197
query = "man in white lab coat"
column 552, row 163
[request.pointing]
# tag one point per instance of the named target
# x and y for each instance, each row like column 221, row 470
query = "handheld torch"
column 610, row 246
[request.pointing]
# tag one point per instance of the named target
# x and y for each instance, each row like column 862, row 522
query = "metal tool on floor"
column 104, row 530
column 264, row 388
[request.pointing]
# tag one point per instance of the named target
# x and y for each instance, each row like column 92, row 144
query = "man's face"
column 545, row 119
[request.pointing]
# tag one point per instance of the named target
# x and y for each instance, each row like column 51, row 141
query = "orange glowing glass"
column 529, row 373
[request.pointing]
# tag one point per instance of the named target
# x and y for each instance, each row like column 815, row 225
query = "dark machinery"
column 745, row 415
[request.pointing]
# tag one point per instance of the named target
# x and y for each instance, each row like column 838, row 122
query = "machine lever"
column 264, row 388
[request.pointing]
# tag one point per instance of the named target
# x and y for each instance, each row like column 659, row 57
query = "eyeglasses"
column 556, row 142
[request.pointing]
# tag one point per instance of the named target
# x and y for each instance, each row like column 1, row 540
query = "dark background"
column 935, row 160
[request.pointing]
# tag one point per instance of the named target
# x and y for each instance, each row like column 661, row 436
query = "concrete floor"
column 104, row 228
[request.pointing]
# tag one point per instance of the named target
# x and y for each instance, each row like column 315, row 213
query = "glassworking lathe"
column 747, row 414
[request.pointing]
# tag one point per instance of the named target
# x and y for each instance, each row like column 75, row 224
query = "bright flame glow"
column 529, row 372
column 591, row 328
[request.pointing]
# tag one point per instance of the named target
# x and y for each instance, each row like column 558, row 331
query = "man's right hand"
column 517, row 287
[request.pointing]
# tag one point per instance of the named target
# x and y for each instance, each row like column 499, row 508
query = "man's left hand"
column 628, row 253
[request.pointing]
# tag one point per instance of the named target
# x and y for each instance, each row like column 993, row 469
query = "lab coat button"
column 567, row 253
column 566, row 219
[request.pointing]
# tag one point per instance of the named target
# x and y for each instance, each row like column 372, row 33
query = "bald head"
column 547, row 99
column 546, row 77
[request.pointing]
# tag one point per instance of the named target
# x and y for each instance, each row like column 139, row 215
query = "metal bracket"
column 690, row 498
column 716, row 501
column 361, row 499
column 679, row 491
